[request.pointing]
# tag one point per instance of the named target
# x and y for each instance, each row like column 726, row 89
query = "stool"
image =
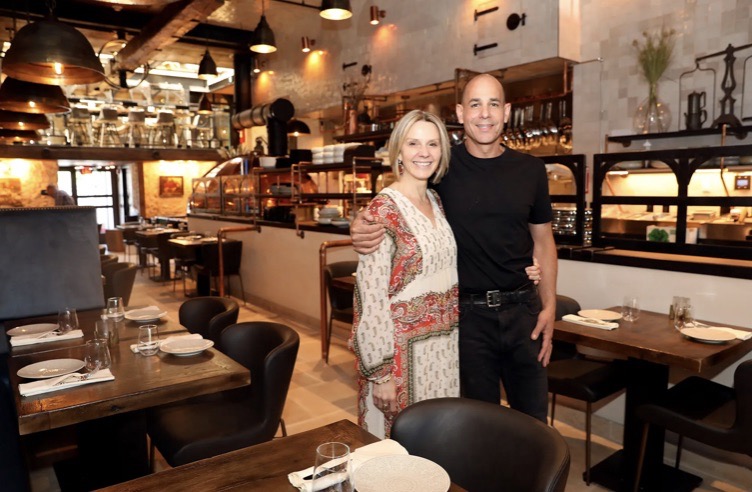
column 137, row 134
column 164, row 130
column 79, row 126
column 108, row 128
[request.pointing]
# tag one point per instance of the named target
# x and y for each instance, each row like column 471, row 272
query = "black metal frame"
column 577, row 164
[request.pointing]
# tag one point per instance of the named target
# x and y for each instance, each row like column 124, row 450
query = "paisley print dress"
column 406, row 309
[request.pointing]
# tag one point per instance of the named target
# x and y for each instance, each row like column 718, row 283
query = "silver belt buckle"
column 493, row 298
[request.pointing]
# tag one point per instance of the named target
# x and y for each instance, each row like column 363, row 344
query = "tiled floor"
column 320, row 393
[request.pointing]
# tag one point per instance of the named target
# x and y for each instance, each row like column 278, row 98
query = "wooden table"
column 652, row 345
column 193, row 248
column 261, row 467
column 150, row 238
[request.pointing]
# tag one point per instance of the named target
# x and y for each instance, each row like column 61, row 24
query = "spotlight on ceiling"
column 336, row 9
column 376, row 15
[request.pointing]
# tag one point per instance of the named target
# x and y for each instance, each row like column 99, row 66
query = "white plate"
column 185, row 347
column 50, row 368
column 341, row 222
column 602, row 314
column 401, row 473
column 143, row 315
column 708, row 335
column 32, row 329
column 324, row 220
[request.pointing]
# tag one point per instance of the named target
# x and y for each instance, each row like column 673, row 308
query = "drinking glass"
column 148, row 339
column 630, row 308
column 332, row 469
column 115, row 309
column 683, row 317
column 107, row 329
column 97, row 355
column 67, row 320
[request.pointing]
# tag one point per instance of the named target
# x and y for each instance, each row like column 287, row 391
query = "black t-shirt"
column 490, row 203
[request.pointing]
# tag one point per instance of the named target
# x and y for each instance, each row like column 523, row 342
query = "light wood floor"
column 321, row 394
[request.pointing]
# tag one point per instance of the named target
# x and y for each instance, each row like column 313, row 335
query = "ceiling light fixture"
column 306, row 44
column 204, row 105
column 51, row 52
column 18, row 136
column 28, row 97
column 14, row 120
column 207, row 68
column 376, row 15
column 263, row 36
column 336, row 9
column 297, row 127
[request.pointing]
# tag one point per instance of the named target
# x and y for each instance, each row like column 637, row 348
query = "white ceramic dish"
column 708, row 335
column 341, row 222
column 324, row 220
column 185, row 347
column 401, row 473
column 601, row 314
column 50, row 368
column 145, row 315
column 34, row 329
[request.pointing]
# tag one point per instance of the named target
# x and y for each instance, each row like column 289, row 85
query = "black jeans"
column 495, row 345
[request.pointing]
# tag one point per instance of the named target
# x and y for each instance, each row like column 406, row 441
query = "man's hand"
column 545, row 325
column 366, row 234
column 385, row 397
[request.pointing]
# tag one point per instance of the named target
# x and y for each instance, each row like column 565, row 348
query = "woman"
column 406, row 309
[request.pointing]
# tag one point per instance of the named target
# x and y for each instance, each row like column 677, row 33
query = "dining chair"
column 208, row 315
column 129, row 239
column 232, row 252
column 340, row 300
column 484, row 446
column 122, row 282
column 203, row 427
column 183, row 259
column 705, row 411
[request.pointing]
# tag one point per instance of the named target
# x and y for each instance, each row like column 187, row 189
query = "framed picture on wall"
column 170, row 186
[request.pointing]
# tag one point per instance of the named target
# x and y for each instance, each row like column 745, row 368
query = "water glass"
column 630, row 308
column 115, row 309
column 683, row 317
column 148, row 339
column 97, row 355
column 332, row 470
column 67, row 320
column 676, row 304
column 107, row 329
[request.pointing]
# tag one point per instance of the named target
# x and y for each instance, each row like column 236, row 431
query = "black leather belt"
column 495, row 298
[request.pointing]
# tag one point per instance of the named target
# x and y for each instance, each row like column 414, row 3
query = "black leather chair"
column 232, row 252
column 483, row 446
column 119, row 279
column 208, row 315
column 204, row 427
column 340, row 300
column 108, row 258
column 705, row 411
column 184, row 259
column 575, row 376
column 129, row 239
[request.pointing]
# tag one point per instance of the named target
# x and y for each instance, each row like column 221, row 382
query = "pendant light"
column 207, row 68
column 17, row 136
column 13, row 120
column 297, row 127
column 51, row 52
column 263, row 36
column 204, row 105
column 336, row 9
column 28, row 97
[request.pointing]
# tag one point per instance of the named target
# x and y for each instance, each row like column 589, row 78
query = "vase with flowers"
column 654, row 56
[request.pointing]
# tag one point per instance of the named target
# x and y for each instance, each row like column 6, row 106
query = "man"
column 497, row 203
column 61, row 197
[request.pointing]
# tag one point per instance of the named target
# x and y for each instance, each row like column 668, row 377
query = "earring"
column 400, row 167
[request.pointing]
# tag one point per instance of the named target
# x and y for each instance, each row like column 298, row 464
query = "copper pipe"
column 323, row 293
column 220, row 235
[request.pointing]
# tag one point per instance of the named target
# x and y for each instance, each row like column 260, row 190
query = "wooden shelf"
column 739, row 132
column 126, row 154
column 381, row 134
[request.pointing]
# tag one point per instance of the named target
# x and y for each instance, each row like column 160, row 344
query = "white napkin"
column 197, row 336
column 144, row 310
column 591, row 322
column 303, row 479
column 21, row 340
column 47, row 385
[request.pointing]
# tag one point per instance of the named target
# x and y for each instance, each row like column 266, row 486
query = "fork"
column 77, row 376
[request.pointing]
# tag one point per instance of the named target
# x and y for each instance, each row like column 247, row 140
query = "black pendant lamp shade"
column 263, row 38
column 28, row 97
column 207, row 68
column 17, row 136
column 336, row 9
column 51, row 52
column 12, row 120
column 297, row 127
column 204, row 105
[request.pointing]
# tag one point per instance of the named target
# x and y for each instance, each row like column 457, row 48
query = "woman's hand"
column 385, row 397
column 534, row 272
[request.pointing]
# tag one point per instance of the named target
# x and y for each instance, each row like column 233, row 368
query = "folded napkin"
column 197, row 336
column 21, row 340
column 68, row 381
column 144, row 310
column 591, row 322
column 303, row 479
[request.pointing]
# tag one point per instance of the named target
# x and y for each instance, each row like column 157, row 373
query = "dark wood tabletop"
column 140, row 382
column 261, row 467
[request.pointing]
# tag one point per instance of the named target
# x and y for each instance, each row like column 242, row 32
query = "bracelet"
column 384, row 380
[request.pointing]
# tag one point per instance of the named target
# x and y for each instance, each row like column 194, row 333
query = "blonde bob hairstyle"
column 399, row 135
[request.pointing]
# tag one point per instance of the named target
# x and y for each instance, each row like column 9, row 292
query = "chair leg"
column 641, row 458
column 553, row 407
column 328, row 339
column 282, row 425
column 588, row 428
column 242, row 289
column 678, row 451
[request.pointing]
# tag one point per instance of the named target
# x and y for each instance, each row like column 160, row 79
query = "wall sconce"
column 258, row 66
column 306, row 44
column 376, row 15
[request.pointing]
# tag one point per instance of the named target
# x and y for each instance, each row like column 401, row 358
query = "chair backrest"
column 122, row 282
column 208, row 315
column 483, row 446
column 108, row 258
column 108, row 270
column 565, row 305
column 269, row 351
column 231, row 255
column 339, row 298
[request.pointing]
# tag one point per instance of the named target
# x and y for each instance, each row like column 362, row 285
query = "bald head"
column 482, row 113
column 483, row 83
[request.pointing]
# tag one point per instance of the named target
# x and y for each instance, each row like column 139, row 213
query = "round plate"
column 401, row 473
column 341, row 222
column 50, row 368
column 602, row 314
column 145, row 315
column 32, row 329
column 185, row 347
column 707, row 335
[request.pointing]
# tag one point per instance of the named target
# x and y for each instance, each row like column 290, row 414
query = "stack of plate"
column 326, row 214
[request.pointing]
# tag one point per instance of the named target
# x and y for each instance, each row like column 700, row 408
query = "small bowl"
column 324, row 220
